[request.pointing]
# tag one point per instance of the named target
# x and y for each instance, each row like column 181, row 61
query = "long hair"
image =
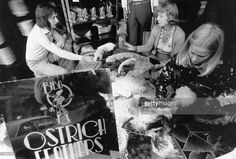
column 42, row 13
column 209, row 37
column 171, row 11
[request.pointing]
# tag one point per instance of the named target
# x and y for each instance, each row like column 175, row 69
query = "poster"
column 61, row 117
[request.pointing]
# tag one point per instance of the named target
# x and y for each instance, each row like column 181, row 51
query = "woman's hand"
column 130, row 47
column 155, row 67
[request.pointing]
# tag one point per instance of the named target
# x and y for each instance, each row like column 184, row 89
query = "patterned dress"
column 202, row 135
column 172, row 77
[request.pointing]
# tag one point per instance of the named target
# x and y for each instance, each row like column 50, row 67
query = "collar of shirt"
column 43, row 30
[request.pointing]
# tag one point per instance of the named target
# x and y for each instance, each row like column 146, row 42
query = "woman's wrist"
column 135, row 48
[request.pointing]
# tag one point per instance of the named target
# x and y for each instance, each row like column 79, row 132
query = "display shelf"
column 80, row 28
column 95, row 42
column 94, row 21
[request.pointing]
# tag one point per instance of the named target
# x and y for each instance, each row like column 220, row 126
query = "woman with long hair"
column 199, row 70
column 45, row 46
column 203, row 49
column 198, row 65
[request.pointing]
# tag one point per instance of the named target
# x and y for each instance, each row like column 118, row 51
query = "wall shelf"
column 80, row 28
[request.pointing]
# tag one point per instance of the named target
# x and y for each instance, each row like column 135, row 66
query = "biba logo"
column 57, row 93
column 59, row 96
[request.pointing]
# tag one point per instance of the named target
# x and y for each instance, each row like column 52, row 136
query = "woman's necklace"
column 166, row 35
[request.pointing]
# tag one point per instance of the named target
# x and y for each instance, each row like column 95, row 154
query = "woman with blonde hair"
column 166, row 38
column 203, row 49
column 199, row 71
column 198, row 65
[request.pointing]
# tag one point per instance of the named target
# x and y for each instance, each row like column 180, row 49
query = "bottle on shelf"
column 93, row 13
column 102, row 11
column 73, row 16
column 85, row 14
column 79, row 15
column 109, row 9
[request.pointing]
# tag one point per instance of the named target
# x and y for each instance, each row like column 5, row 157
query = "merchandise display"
column 102, row 14
column 75, row 86
column 80, row 15
column 177, row 127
